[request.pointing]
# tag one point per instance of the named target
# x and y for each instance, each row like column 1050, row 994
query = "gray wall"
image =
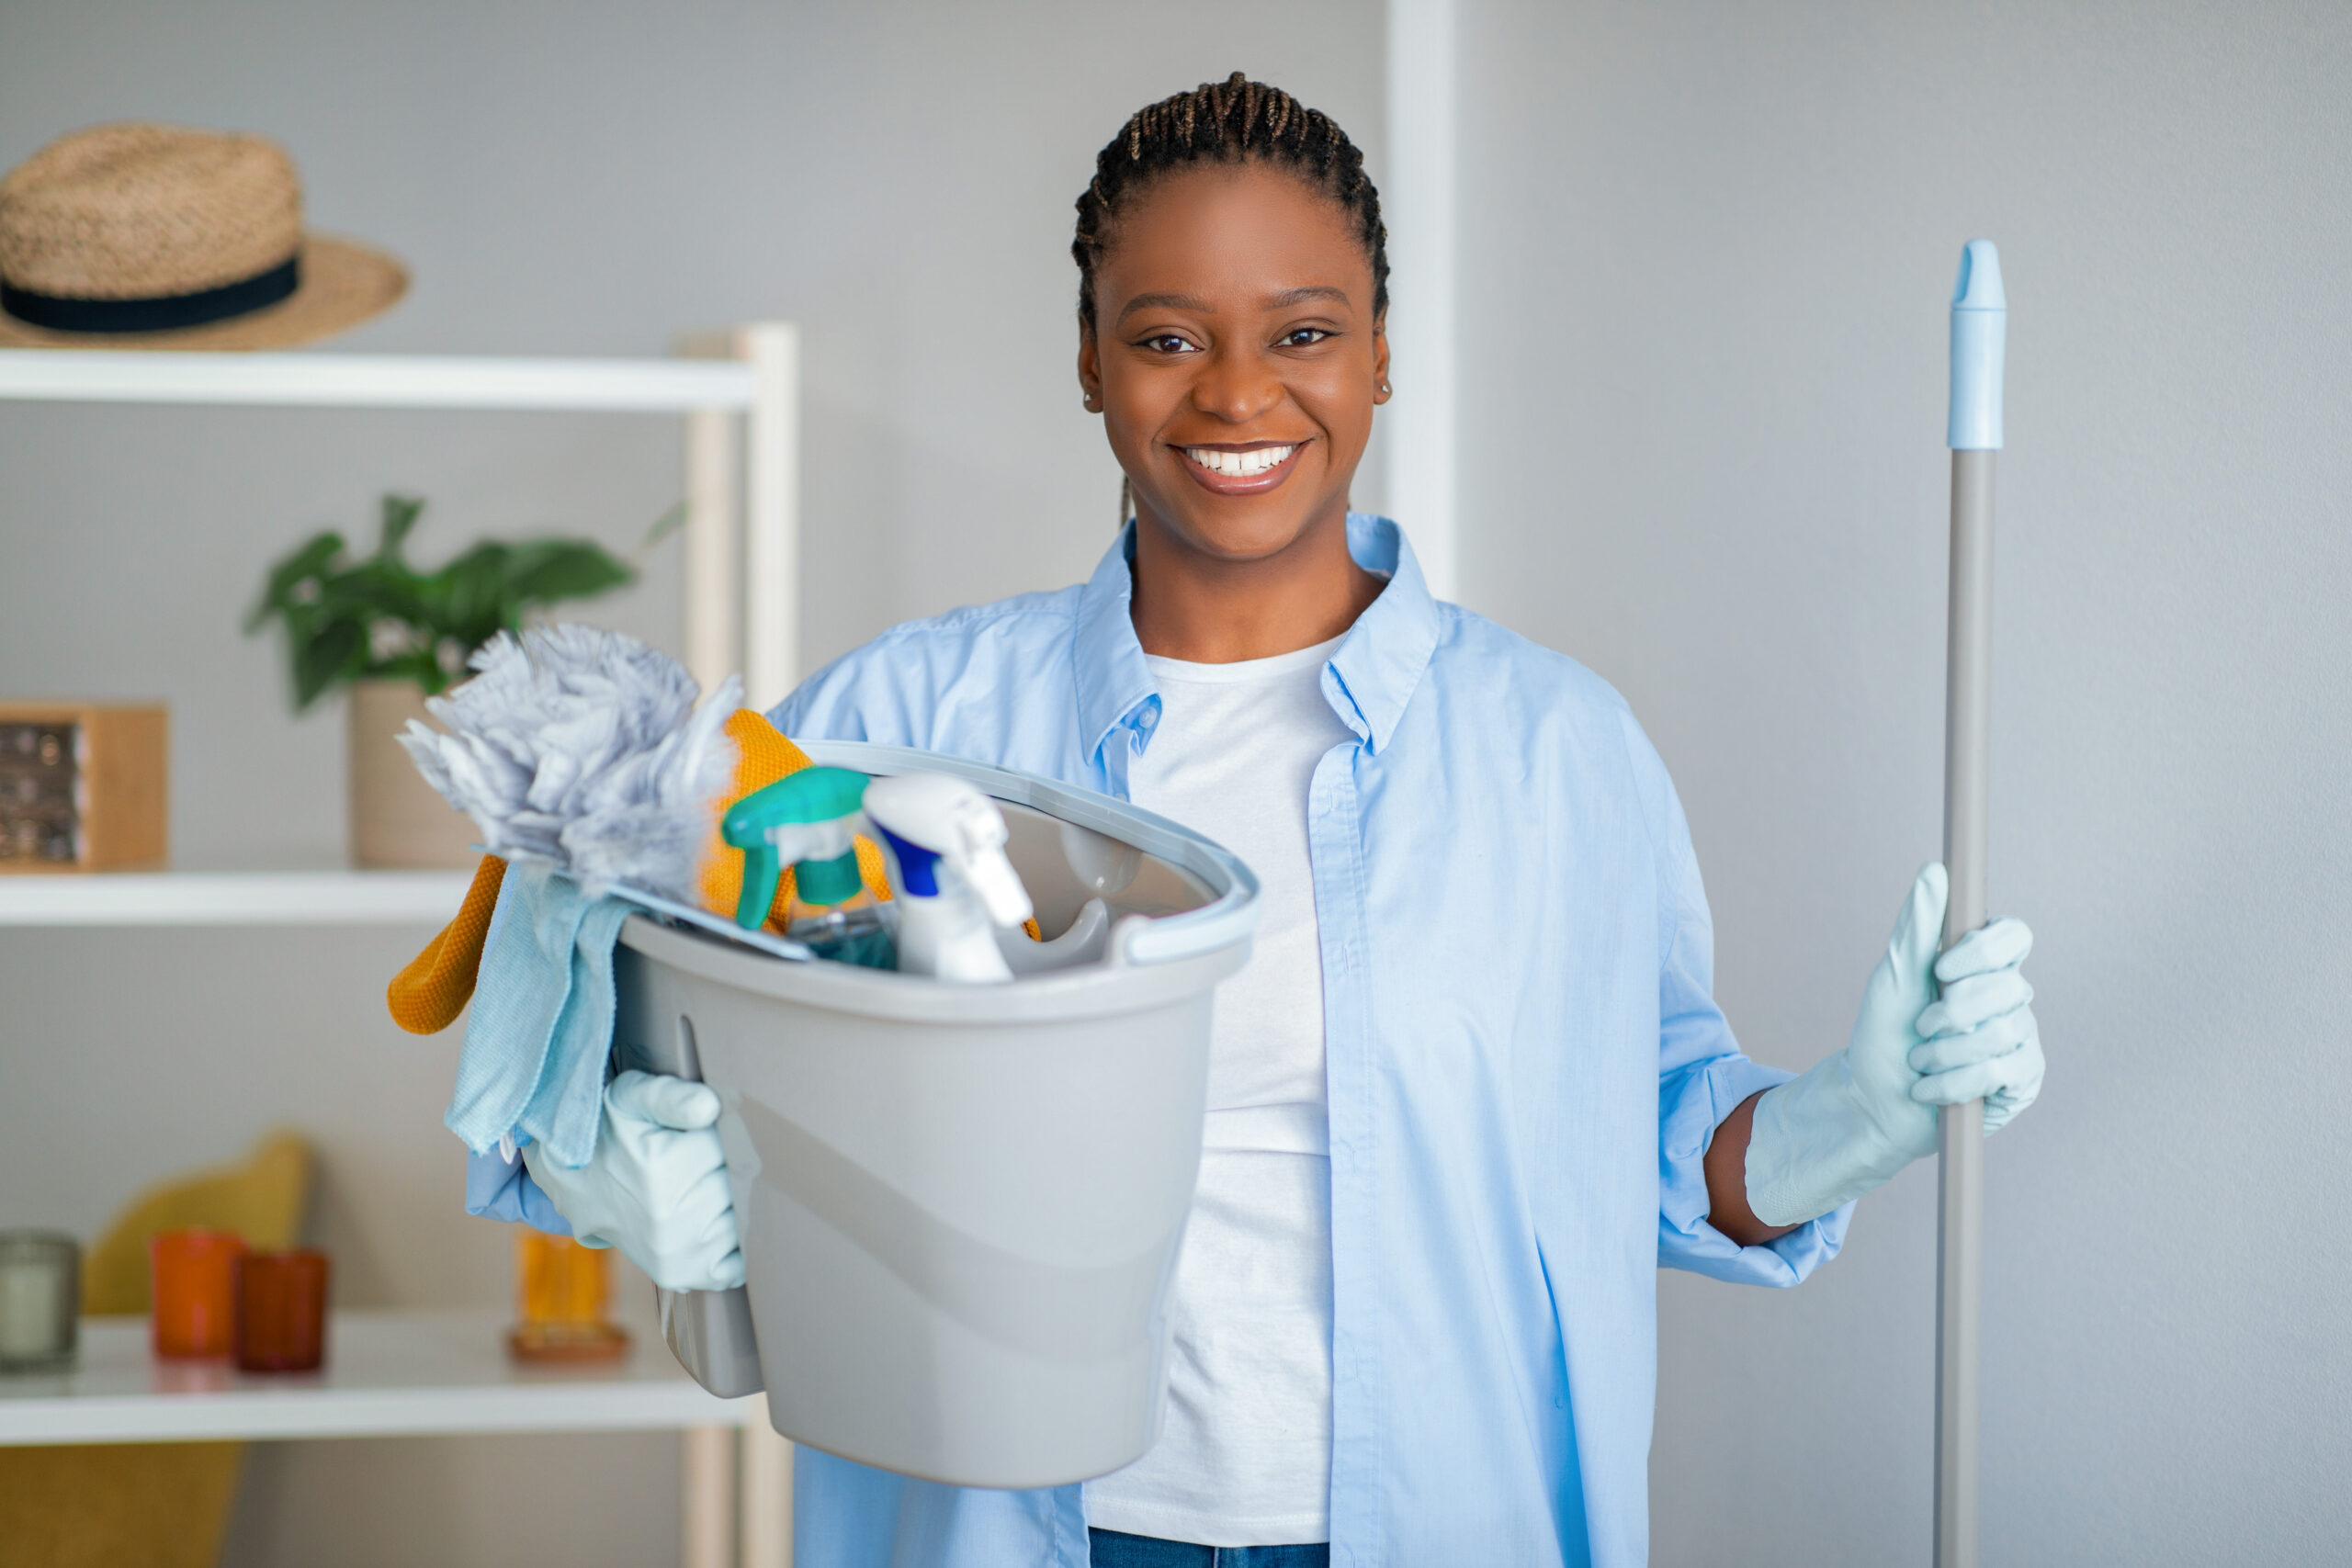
column 563, row 179
column 1706, row 254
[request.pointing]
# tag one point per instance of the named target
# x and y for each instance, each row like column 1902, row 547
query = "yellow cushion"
column 149, row 1505
column 260, row 1201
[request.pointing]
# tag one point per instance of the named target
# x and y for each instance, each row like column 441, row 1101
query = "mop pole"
column 1979, row 324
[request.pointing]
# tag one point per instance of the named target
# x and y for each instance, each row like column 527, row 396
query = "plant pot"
column 396, row 820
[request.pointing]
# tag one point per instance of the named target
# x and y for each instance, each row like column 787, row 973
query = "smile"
column 1252, row 464
column 1240, row 465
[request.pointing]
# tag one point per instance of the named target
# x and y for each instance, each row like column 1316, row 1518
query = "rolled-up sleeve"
column 1692, row 1103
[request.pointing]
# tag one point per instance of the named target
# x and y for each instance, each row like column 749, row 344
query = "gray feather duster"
column 583, row 746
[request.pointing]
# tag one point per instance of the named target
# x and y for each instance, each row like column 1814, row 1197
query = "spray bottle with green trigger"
column 811, row 819
column 951, row 881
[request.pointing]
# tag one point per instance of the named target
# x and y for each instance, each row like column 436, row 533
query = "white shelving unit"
column 233, row 898
column 374, row 380
column 738, row 394
column 387, row 1374
column 753, row 373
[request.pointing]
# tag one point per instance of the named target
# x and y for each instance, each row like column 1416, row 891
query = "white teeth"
column 1240, row 465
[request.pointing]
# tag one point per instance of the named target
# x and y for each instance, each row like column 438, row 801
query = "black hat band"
column 161, row 313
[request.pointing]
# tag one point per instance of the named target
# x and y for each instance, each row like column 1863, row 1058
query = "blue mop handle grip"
column 1980, row 320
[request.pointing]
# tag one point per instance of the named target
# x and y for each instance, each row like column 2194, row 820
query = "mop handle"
column 1979, row 323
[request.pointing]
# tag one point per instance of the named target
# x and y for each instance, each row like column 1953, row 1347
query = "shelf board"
column 232, row 899
column 381, row 381
column 387, row 1374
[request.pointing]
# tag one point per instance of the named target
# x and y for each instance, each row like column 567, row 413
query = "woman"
column 1472, row 1089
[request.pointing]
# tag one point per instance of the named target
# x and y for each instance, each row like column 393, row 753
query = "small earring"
column 1089, row 404
column 1383, row 388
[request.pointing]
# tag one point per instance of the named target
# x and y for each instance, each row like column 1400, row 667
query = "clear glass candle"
column 40, row 1300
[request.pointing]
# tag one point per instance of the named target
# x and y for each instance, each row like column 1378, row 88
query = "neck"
column 1202, row 609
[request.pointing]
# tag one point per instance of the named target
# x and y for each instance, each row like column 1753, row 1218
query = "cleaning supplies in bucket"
column 959, row 1204
column 956, row 1206
column 811, row 820
column 953, row 885
column 582, row 755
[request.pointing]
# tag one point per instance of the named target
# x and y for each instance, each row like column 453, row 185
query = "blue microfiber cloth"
column 542, row 1026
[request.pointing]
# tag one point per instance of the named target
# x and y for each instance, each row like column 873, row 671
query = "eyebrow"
column 1283, row 301
column 1166, row 302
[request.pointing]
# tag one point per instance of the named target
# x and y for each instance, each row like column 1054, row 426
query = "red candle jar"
column 194, row 1275
column 282, row 1311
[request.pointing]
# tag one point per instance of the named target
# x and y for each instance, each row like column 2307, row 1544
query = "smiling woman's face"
column 1236, row 358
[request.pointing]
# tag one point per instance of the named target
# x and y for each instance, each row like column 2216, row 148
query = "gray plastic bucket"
column 960, row 1205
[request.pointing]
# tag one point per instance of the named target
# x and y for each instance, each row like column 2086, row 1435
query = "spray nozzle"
column 809, row 818
column 930, row 820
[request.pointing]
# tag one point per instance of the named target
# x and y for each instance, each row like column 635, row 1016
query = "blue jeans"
column 1114, row 1549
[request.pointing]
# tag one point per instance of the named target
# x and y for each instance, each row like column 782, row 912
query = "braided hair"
column 1233, row 122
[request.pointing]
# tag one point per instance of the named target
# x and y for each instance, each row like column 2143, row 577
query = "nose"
column 1235, row 384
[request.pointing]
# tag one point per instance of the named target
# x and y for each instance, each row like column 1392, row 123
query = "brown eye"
column 1166, row 342
column 1304, row 337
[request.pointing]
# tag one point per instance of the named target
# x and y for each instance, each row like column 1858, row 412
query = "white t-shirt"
column 1245, row 1458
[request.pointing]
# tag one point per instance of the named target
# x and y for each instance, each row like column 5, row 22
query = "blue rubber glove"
column 656, row 1187
column 1849, row 1124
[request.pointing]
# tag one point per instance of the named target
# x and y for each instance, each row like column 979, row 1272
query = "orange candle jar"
column 561, row 1290
column 282, row 1311
column 193, row 1274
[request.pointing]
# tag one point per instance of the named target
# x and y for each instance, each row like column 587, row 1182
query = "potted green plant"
column 394, row 635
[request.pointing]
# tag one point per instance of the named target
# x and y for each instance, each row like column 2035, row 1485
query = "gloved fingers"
column 1898, row 985
column 2021, row 1070
column 683, row 1171
column 2002, row 1106
column 1920, row 924
column 2000, row 945
column 677, row 1103
column 695, row 1230
column 706, row 1208
column 1968, row 1003
column 1997, row 1037
column 711, row 1260
column 2022, row 1089
column 709, row 1271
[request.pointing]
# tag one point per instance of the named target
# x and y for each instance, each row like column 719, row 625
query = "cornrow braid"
column 1232, row 121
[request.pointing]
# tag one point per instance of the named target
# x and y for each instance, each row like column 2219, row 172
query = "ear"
column 1089, row 371
column 1380, row 393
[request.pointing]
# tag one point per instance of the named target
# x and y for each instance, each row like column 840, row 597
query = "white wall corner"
column 1419, row 203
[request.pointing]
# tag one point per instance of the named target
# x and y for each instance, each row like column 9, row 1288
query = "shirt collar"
column 1379, row 663
column 1375, row 670
column 1113, row 680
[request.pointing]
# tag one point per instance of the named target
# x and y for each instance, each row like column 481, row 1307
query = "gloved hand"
column 1857, row 1118
column 657, row 1186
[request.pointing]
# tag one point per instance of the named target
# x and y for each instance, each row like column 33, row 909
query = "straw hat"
column 152, row 236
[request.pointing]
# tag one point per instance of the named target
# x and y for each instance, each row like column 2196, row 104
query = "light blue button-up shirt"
column 1525, row 1066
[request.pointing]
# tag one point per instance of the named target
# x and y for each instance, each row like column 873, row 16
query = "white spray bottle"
column 952, row 883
